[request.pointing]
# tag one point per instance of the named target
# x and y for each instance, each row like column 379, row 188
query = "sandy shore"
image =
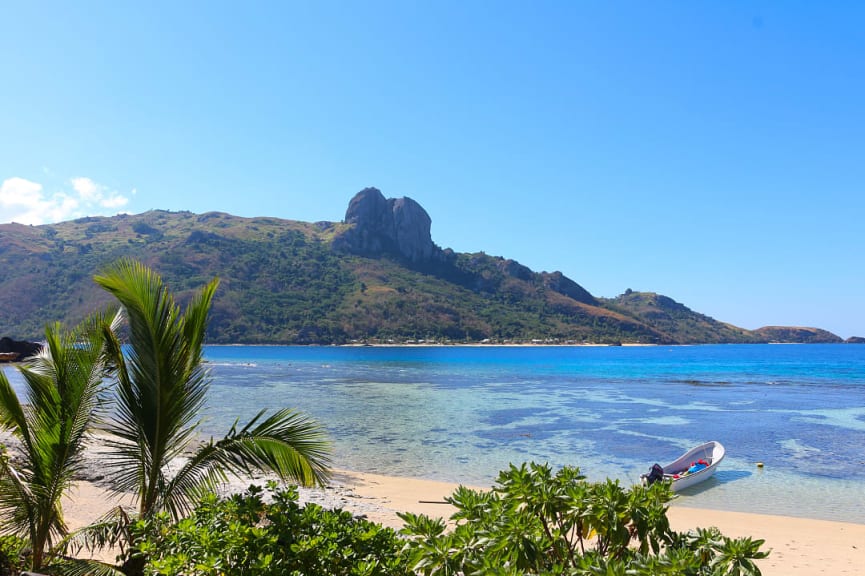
column 799, row 546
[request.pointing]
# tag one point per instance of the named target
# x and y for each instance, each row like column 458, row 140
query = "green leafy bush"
column 13, row 555
column 248, row 535
column 537, row 522
column 533, row 522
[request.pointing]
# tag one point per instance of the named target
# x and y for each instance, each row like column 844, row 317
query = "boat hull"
column 712, row 452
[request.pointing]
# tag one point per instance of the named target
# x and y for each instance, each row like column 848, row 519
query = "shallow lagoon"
column 464, row 413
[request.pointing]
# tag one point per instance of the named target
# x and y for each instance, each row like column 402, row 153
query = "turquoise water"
column 463, row 413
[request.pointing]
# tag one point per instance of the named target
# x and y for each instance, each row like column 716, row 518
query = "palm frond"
column 161, row 381
column 12, row 416
column 108, row 531
column 287, row 444
column 61, row 387
column 17, row 500
column 83, row 567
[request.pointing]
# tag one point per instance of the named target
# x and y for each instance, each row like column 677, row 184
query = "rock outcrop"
column 401, row 227
column 17, row 349
column 395, row 226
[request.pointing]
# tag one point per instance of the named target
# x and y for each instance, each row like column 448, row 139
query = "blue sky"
column 711, row 152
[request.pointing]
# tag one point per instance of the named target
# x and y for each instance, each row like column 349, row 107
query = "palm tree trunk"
column 133, row 566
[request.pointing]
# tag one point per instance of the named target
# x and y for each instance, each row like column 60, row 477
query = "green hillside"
column 677, row 320
column 289, row 282
column 797, row 334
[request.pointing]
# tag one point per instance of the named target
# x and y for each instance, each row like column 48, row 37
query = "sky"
column 713, row 152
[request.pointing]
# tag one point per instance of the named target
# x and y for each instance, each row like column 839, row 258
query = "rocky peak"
column 397, row 226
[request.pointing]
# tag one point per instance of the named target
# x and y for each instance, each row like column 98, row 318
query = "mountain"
column 375, row 277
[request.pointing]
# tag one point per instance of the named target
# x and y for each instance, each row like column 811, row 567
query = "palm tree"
column 62, row 386
column 160, row 391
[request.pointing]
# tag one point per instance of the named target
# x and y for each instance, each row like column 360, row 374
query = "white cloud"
column 87, row 188
column 25, row 202
column 97, row 195
column 114, row 202
column 21, row 201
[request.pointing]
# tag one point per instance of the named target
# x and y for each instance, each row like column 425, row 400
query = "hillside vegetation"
column 292, row 282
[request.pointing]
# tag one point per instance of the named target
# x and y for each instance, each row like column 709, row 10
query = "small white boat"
column 692, row 467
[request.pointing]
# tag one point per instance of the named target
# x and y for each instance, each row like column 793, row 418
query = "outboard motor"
column 656, row 474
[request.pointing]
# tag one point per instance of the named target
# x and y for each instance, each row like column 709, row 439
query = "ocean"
column 462, row 414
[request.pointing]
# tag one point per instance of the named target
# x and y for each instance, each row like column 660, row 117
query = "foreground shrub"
column 13, row 555
column 533, row 522
column 246, row 535
column 537, row 522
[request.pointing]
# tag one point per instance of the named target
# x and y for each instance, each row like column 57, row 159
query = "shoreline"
column 799, row 546
column 456, row 344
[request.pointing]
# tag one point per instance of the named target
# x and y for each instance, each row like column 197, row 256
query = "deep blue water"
column 464, row 413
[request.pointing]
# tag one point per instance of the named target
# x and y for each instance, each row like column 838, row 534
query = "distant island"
column 374, row 278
